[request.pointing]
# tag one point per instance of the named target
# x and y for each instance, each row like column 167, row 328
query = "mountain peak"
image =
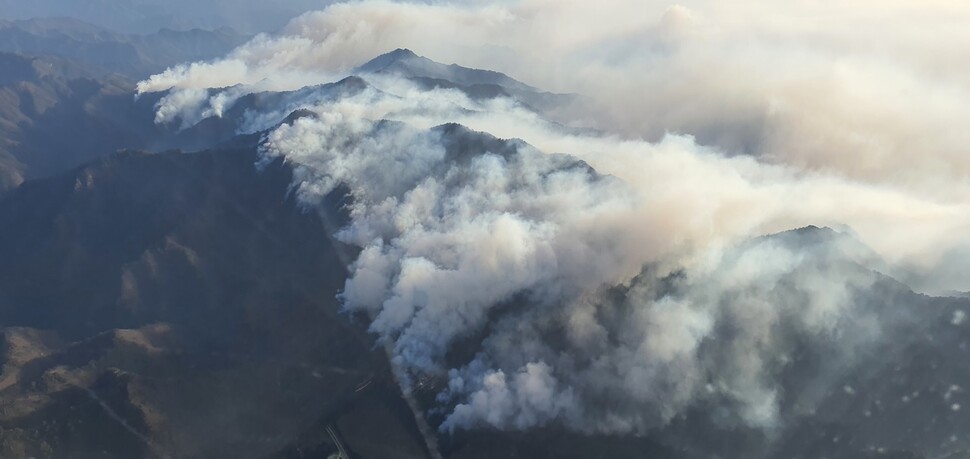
column 404, row 62
column 387, row 60
column 402, row 53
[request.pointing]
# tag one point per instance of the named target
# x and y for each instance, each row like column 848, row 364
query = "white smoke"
column 868, row 91
column 615, row 297
column 526, row 245
column 637, row 363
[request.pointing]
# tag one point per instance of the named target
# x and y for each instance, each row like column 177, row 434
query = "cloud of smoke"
column 463, row 234
column 849, row 98
column 610, row 288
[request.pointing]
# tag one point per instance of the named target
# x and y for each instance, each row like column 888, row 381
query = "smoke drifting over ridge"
column 749, row 77
column 615, row 292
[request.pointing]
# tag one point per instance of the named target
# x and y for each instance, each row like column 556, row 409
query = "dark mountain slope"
column 178, row 305
column 56, row 115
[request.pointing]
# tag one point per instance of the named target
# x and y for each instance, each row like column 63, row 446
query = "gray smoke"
column 616, row 284
column 635, row 357
column 594, row 315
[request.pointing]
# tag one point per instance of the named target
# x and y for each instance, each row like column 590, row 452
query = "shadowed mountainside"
column 177, row 305
column 56, row 115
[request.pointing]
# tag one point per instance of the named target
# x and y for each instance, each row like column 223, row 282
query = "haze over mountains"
column 296, row 246
column 57, row 115
column 67, row 90
column 147, row 16
column 103, row 51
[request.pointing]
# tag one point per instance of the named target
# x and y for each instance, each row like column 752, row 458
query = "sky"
column 147, row 16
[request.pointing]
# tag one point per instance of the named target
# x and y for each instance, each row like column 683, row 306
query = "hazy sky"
column 146, row 16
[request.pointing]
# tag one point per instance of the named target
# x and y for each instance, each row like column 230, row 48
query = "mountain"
column 184, row 305
column 902, row 398
column 180, row 305
column 405, row 62
column 71, row 102
column 256, row 111
column 474, row 82
column 159, row 303
column 104, row 51
column 56, row 114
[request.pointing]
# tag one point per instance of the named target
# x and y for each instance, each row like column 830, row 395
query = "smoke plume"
column 609, row 280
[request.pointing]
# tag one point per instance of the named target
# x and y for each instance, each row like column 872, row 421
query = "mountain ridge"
column 156, row 301
column 408, row 63
column 477, row 83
